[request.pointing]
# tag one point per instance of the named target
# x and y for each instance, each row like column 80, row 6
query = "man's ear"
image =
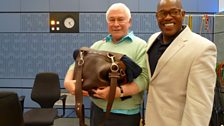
column 130, row 22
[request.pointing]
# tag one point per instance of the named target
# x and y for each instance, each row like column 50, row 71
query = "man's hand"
column 103, row 92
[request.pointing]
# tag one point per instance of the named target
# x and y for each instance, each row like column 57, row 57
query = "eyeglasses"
column 117, row 20
column 172, row 12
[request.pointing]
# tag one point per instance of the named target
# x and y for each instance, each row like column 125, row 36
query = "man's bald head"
column 177, row 3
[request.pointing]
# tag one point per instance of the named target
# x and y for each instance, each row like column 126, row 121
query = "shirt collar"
column 129, row 37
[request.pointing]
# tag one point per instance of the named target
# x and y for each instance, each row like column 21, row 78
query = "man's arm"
column 69, row 83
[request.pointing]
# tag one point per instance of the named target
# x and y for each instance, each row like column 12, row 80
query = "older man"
column 121, row 40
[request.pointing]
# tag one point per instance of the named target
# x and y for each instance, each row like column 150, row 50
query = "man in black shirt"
column 181, row 71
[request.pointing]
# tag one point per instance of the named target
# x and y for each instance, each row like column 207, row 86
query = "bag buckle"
column 81, row 61
column 114, row 67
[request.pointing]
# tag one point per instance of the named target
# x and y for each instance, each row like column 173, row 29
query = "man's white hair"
column 116, row 6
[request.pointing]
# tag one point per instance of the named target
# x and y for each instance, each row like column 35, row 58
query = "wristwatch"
column 122, row 94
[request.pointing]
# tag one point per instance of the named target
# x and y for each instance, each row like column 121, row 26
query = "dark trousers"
column 97, row 117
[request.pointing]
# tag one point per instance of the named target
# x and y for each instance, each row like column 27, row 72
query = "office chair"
column 10, row 109
column 45, row 92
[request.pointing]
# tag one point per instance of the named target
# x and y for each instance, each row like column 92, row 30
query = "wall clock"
column 69, row 22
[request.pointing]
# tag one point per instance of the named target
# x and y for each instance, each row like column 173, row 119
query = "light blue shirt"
column 129, row 37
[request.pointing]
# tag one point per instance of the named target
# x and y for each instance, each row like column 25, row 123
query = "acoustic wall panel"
column 34, row 5
column 64, row 5
column 27, row 82
column 135, row 23
column 9, row 5
column 207, row 6
column 144, row 23
column 96, row 23
column 10, row 83
column 93, row 5
column 201, row 5
column 147, row 5
column 219, row 23
column 190, row 5
column 34, row 22
column 133, row 5
column 25, row 54
column 10, row 22
column 93, row 22
column 88, row 39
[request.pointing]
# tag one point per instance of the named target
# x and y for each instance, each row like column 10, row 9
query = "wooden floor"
column 68, row 122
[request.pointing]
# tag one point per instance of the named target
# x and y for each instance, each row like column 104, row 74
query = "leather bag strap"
column 113, row 75
column 79, row 106
column 113, row 84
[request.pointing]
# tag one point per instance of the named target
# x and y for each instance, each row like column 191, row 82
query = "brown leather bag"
column 95, row 69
